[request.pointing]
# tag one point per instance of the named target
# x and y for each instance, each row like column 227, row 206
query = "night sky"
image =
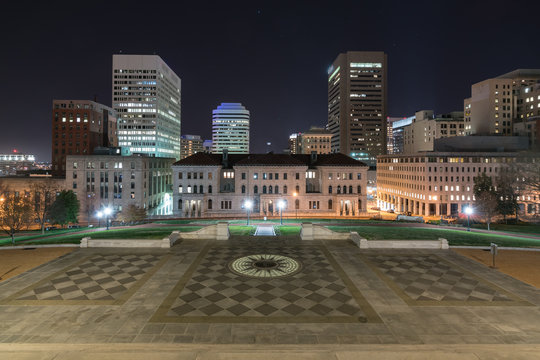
column 271, row 56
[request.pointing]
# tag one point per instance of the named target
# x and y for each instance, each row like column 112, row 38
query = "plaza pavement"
column 338, row 302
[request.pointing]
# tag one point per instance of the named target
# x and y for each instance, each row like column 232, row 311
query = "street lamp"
column 99, row 215
column 248, row 204
column 468, row 211
column 281, row 205
column 107, row 211
column 295, row 194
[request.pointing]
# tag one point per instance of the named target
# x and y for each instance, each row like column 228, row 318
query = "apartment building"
column 213, row 185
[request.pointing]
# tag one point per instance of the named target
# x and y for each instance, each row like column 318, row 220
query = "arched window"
column 209, row 204
column 194, row 189
column 243, row 189
column 330, row 189
column 209, row 189
column 179, row 204
column 270, row 189
column 359, row 189
column 264, row 189
column 329, row 204
column 359, row 205
column 285, row 189
column 350, row 189
column 201, row 189
column 297, row 204
column 298, row 189
column 255, row 189
column 339, row 189
column 344, row 189
column 276, row 190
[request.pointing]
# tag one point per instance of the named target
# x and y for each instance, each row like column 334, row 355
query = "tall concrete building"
column 497, row 104
column 230, row 129
column 79, row 126
column 357, row 102
column 426, row 127
column 190, row 145
column 146, row 96
column 316, row 139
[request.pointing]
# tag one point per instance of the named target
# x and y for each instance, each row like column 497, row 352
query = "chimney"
column 313, row 157
column 225, row 159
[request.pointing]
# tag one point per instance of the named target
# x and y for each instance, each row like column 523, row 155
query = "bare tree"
column 526, row 173
column 486, row 206
column 15, row 213
column 131, row 214
column 44, row 195
column 485, row 198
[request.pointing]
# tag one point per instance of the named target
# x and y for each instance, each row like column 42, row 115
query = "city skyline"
column 293, row 44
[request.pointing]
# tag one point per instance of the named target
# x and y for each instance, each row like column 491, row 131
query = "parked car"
column 391, row 211
column 74, row 226
column 50, row 228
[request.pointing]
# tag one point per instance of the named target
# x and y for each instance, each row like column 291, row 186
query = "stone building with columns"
column 441, row 183
column 219, row 185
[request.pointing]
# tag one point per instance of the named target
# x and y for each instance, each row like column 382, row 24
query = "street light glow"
column 248, row 204
column 99, row 214
column 468, row 210
column 107, row 211
column 281, row 204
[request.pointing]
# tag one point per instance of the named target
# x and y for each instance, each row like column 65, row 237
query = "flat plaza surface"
column 290, row 293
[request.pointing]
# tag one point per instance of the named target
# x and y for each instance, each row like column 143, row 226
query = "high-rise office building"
column 497, row 104
column 357, row 102
column 190, row 144
column 79, row 126
column 230, row 129
column 146, row 96
column 294, row 146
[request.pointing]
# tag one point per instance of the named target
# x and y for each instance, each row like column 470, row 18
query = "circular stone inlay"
column 265, row 266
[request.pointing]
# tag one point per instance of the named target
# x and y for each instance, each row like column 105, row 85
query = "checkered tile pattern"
column 316, row 291
column 427, row 277
column 102, row 277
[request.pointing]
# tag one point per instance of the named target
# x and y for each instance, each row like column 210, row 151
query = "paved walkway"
column 321, row 300
column 267, row 352
column 265, row 230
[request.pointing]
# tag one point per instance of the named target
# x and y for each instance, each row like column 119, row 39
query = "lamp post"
column 295, row 194
column 248, row 204
column 281, row 205
column 99, row 215
column 107, row 211
column 468, row 211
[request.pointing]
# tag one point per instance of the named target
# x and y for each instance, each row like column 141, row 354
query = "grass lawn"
column 454, row 237
column 518, row 229
column 36, row 234
column 287, row 230
column 272, row 221
column 242, row 230
column 146, row 233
